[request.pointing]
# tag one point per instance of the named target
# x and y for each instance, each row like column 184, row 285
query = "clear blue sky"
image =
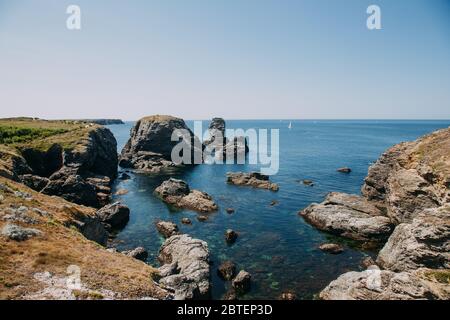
column 236, row 59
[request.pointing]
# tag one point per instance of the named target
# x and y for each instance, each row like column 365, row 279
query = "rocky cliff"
column 76, row 161
column 405, row 206
column 150, row 146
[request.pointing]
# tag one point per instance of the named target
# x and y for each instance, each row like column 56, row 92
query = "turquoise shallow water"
column 275, row 245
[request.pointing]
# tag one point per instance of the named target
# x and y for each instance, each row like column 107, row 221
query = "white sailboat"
column 290, row 125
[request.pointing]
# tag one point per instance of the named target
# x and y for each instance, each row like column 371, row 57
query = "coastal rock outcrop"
column 252, row 179
column 115, row 215
column 138, row 253
column 409, row 186
column 185, row 269
column 167, row 228
column 375, row 284
column 150, row 146
column 348, row 216
column 242, row 282
column 177, row 193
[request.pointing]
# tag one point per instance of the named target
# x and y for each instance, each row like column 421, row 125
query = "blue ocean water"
column 275, row 245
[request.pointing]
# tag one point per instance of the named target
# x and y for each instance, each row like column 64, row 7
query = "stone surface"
column 423, row 243
column 227, row 270
column 252, row 179
column 186, row 221
column 290, row 296
column 344, row 170
column 138, row 253
column 18, row 233
column 346, row 221
column 242, row 282
column 332, row 248
column 191, row 277
column 177, row 193
column 150, row 145
column 375, row 284
column 116, row 215
column 167, row 228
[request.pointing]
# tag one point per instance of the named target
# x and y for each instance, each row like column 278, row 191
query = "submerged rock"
column 177, row 193
column 290, row 296
column 227, row 270
column 150, row 145
column 18, row 233
column 332, row 248
column 191, row 256
column 167, row 228
column 253, row 179
column 116, row 215
column 344, row 170
column 242, row 282
column 231, row 236
column 229, row 210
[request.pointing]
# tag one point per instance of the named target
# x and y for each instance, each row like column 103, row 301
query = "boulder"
column 167, row 228
column 290, row 296
column 231, row 236
column 252, row 179
column 375, row 284
column 229, row 210
column 344, row 170
column 34, row 182
column 423, row 243
column 332, row 248
column 242, row 282
column 227, row 270
column 138, row 253
column 186, row 221
column 116, row 215
column 150, row 145
column 191, row 256
column 202, row 218
column 346, row 220
column 18, row 233
column 307, row 182
column 177, row 193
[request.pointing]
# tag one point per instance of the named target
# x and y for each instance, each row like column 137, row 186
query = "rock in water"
column 290, row 296
column 116, row 215
column 332, row 248
column 253, row 179
column 150, row 145
column 18, row 233
column 191, row 257
column 167, row 228
column 227, row 270
column 177, row 193
column 186, row 221
column 349, row 217
column 344, row 170
column 375, row 284
column 138, row 253
column 230, row 236
column 242, row 282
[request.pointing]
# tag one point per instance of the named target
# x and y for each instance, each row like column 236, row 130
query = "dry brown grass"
column 60, row 247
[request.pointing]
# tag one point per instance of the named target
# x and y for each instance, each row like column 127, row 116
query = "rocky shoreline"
column 405, row 205
column 55, row 196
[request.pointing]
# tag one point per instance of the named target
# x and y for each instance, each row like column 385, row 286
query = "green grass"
column 13, row 135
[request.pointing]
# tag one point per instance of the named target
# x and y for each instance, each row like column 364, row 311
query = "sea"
column 277, row 247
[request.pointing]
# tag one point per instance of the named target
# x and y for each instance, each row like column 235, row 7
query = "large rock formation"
column 150, row 146
column 252, row 179
column 77, row 165
column 185, row 269
column 408, row 187
column 177, row 193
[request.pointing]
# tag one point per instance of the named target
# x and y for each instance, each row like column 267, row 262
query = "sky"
column 246, row 59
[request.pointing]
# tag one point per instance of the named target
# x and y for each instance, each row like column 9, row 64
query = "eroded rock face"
column 375, row 284
column 423, row 243
column 150, row 145
column 185, row 267
column 252, row 179
column 115, row 215
column 341, row 215
column 177, row 193
column 138, row 253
